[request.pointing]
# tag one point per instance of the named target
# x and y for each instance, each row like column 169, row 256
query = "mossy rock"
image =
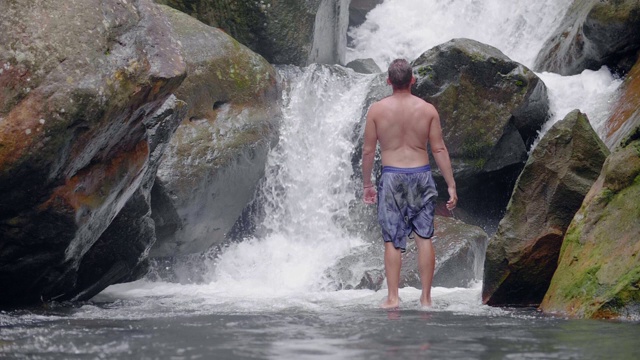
column 491, row 109
column 217, row 154
column 598, row 274
column 280, row 30
column 522, row 256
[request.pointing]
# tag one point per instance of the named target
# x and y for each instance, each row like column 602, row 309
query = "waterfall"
column 307, row 187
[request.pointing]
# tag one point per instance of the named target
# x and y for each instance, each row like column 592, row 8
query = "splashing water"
column 307, row 187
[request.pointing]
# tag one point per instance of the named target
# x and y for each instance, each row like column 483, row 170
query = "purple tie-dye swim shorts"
column 406, row 203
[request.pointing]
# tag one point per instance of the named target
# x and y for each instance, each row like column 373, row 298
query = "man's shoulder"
column 424, row 103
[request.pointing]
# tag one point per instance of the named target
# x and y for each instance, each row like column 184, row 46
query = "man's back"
column 402, row 123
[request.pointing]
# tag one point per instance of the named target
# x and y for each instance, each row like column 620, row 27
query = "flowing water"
column 270, row 295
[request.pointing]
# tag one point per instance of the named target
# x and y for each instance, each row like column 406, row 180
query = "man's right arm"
column 368, row 155
column 441, row 155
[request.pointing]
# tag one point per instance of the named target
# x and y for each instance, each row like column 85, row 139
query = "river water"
column 275, row 295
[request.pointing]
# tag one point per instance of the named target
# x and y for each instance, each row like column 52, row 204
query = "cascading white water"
column 519, row 28
column 407, row 28
column 308, row 187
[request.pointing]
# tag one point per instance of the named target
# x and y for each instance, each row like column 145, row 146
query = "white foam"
column 407, row 28
column 143, row 299
column 592, row 92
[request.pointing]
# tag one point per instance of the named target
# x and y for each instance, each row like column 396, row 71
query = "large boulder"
column 625, row 115
column 120, row 254
column 217, row 155
column 459, row 250
column 283, row 31
column 599, row 269
column 522, row 256
column 80, row 79
column 593, row 33
column 491, row 109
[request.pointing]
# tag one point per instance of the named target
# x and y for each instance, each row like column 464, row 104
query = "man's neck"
column 406, row 91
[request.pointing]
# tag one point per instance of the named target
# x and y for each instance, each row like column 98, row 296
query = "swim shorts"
column 406, row 203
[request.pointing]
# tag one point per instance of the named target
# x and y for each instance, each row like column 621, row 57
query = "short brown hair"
column 400, row 73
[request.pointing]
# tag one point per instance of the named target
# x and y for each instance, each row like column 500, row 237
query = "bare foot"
column 425, row 302
column 390, row 304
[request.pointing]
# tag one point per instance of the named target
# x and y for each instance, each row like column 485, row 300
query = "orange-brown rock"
column 522, row 255
column 79, row 79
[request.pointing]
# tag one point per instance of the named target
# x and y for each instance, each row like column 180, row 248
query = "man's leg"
column 392, row 265
column 426, row 266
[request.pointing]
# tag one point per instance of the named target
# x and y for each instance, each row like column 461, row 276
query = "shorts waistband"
column 397, row 170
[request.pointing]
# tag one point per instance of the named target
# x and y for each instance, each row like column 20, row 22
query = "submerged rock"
column 522, row 256
column 491, row 109
column 598, row 270
column 284, row 32
column 593, row 33
column 80, row 80
column 459, row 250
column 217, row 155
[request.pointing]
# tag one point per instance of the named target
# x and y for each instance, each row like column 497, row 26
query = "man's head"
column 400, row 74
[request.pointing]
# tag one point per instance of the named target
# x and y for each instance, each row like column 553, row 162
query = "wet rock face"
column 79, row 79
column 593, row 33
column 280, row 30
column 491, row 109
column 217, row 155
column 522, row 256
column 626, row 112
column 120, row 254
column 598, row 270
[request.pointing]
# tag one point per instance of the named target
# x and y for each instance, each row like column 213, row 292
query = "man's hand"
column 370, row 195
column 453, row 199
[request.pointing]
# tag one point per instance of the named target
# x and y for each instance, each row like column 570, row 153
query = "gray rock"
column 358, row 10
column 216, row 157
column 364, row 66
column 593, row 33
column 522, row 256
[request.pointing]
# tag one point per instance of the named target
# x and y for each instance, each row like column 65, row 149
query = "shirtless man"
column 404, row 124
